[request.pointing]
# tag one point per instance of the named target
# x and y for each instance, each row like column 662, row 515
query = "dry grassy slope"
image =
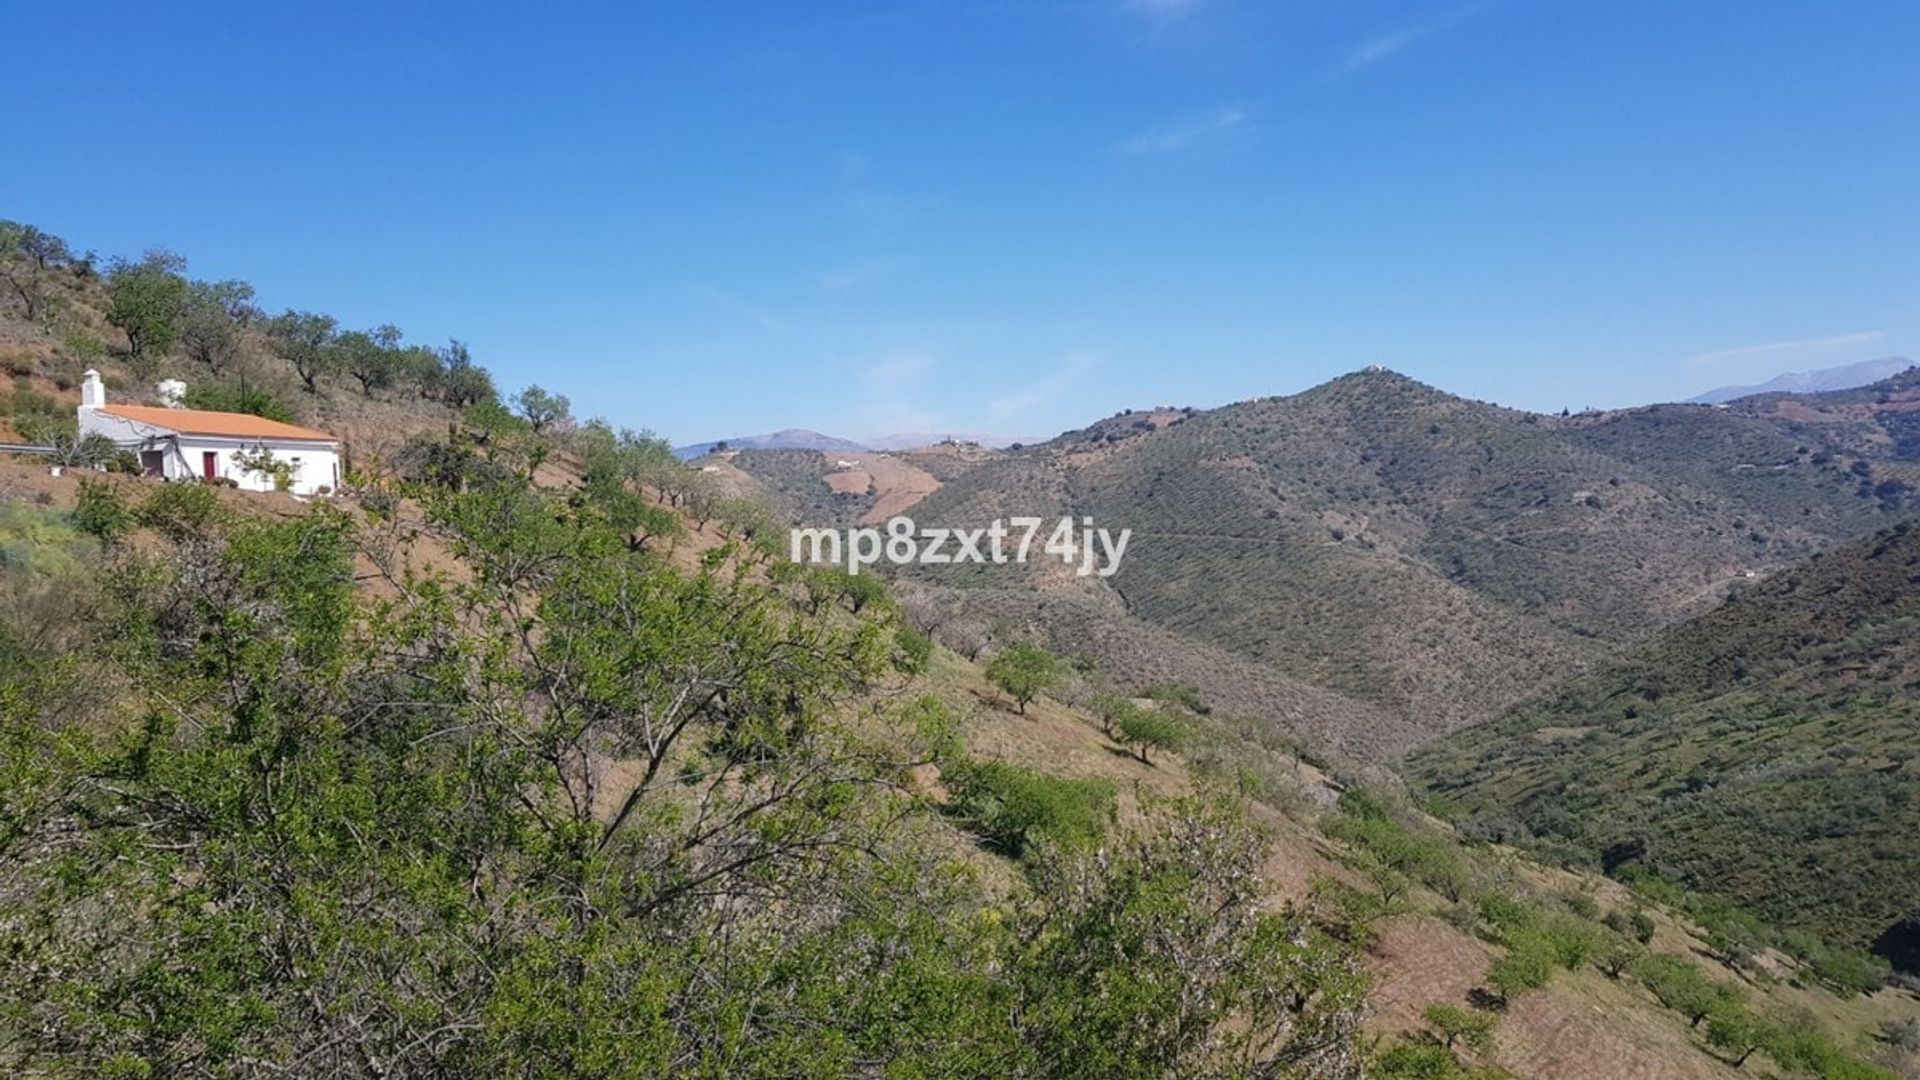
column 1139, row 654
column 1583, row 1027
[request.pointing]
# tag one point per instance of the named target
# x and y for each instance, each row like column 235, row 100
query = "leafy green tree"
column 306, row 339
column 542, row 410
column 1643, row 926
column 1151, row 729
column 567, row 810
column 372, row 358
column 1679, row 985
column 1574, row 942
column 1850, row 971
column 1156, row 956
column 1441, row 868
column 1024, row 671
column 1468, row 1027
column 1738, row 1032
column 27, row 254
column 210, row 322
column 1616, row 954
column 913, row 649
column 148, row 302
column 459, row 382
column 1110, row 708
column 1389, row 883
column 861, row 591
column 1527, row 966
column 181, row 512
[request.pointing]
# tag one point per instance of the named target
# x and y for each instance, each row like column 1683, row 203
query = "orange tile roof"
column 225, row 424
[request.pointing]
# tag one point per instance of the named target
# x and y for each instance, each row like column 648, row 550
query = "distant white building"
column 194, row 444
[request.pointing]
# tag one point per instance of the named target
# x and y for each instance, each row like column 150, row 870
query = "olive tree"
column 1023, row 671
column 148, row 302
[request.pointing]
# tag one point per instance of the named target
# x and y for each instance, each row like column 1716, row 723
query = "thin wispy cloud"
column 903, row 366
column 1721, row 356
column 1380, row 47
column 743, row 309
column 1063, row 375
column 1210, row 128
column 844, row 278
column 1166, row 10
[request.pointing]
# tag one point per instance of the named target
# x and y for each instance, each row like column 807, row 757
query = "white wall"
column 315, row 466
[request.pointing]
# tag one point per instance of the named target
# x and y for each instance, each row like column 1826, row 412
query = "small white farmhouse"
column 193, row 444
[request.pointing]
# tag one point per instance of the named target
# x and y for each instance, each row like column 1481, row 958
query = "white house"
column 193, row 444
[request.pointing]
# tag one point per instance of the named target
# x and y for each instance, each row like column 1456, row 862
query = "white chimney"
column 171, row 392
column 93, row 392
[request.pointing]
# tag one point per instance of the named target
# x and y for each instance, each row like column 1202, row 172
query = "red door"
column 209, row 462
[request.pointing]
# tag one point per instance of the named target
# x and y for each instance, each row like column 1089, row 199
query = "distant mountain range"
column 1845, row 377
column 802, row 439
column 1431, row 559
column 913, row 440
column 789, row 439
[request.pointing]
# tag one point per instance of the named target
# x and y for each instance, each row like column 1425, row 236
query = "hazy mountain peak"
column 1844, row 377
column 784, row 439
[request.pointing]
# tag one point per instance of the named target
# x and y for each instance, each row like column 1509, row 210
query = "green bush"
column 1417, row 1061
column 238, row 399
column 177, row 511
column 912, row 650
column 101, row 512
column 1011, row 806
column 1181, row 694
column 1507, row 915
column 1851, row 971
column 1453, row 1024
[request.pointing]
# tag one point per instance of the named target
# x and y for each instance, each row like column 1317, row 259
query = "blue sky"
column 723, row 218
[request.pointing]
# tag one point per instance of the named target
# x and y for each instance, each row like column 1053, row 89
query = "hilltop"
column 1430, row 556
column 787, row 439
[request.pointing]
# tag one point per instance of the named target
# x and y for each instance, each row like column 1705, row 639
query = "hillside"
column 146, row 319
column 1437, row 557
column 1767, row 751
column 1389, row 917
column 528, row 753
